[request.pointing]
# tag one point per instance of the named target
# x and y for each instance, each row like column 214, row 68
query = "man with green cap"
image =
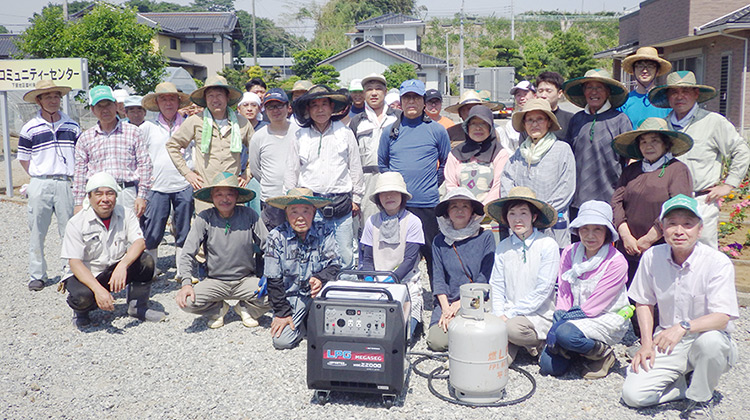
column 715, row 139
column 219, row 134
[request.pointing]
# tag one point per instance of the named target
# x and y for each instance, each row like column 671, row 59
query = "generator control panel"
column 351, row 321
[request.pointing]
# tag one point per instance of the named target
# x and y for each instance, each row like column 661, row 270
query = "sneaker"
column 81, row 319
column 597, row 369
column 218, row 321
column 247, row 319
column 698, row 410
column 632, row 350
column 36, row 285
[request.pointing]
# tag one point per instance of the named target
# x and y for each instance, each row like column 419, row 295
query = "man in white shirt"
column 693, row 285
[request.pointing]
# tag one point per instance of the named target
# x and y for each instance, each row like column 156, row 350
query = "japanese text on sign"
column 24, row 74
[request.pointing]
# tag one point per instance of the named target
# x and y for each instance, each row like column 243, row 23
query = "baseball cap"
column 100, row 93
column 133, row 100
column 522, row 85
column 374, row 77
column 680, row 201
column 276, row 94
column 432, row 94
column 356, row 85
column 412, row 86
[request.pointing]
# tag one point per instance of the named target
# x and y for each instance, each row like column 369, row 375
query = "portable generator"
column 356, row 339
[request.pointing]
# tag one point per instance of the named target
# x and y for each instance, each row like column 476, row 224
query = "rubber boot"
column 177, row 253
column 137, row 296
column 81, row 319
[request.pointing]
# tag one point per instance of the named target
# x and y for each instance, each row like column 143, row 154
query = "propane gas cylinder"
column 477, row 348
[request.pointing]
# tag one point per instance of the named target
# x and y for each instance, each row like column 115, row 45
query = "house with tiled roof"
column 385, row 40
column 8, row 47
column 709, row 38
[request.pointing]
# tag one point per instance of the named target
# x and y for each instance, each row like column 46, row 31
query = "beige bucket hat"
column 472, row 97
column 389, row 181
column 647, row 54
column 548, row 215
column 658, row 95
column 44, row 86
column 298, row 196
column 535, row 104
column 199, row 97
column 164, row 88
column 573, row 88
column 224, row 179
column 626, row 145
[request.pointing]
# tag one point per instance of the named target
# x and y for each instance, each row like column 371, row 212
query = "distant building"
column 385, row 40
column 7, row 46
column 709, row 38
column 284, row 64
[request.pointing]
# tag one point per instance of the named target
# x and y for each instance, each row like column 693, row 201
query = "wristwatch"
column 685, row 325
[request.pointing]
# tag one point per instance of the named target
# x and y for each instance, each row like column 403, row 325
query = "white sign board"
column 24, row 74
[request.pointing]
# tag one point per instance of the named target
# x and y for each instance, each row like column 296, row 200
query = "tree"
column 236, row 78
column 572, row 48
column 325, row 74
column 151, row 6
column 118, row 49
column 271, row 40
column 396, row 74
column 509, row 55
column 306, row 61
column 3, row 29
column 214, row 5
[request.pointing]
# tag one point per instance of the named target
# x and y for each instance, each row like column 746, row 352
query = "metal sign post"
column 22, row 75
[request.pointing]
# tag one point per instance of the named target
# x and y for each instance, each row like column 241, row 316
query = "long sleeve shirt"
column 417, row 149
column 230, row 245
column 475, row 175
column 122, row 152
column 267, row 159
column 166, row 177
column 49, row 147
column 326, row 163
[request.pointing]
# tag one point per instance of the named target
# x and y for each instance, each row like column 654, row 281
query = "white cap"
column 120, row 94
column 249, row 98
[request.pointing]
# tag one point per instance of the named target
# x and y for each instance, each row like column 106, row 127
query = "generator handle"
column 370, row 273
column 381, row 290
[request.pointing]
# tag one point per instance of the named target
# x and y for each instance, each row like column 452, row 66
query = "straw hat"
column 658, row 95
column 316, row 92
column 594, row 212
column 573, row 88
column 460, row 193
column 389, row 181
column 44, row 86
column 535, row 104
column 164, row 88
column 199, row 97
column 626, row 145
column 547, row 218
column 468, row 97
column 647, row 54
column 301, row 86
column 224, row 179
column 298, row 196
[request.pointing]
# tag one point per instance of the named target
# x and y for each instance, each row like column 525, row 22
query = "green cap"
column 680, row 201
column 100, row 93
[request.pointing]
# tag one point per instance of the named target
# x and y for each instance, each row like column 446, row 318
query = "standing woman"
column 477, row 162
column 392, row 237
column 525, row 271
column 591, row 290
column 462, row 253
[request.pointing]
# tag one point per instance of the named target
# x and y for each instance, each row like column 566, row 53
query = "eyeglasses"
column 275, row 106
column 645, row 66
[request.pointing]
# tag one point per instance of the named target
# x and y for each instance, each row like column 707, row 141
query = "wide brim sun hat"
column 224, row 179
column 389, row 181
column 594, row 212
column 199, row 95
column 573, row 88
column 686, row 79
column 164, row 88
column 317, row 92
column 42, row 87
column 547, row 217
column 460, row 193
column 626, row 145
column 646, row 54
column 535, row 104
column 467, row 98
column 298, row 196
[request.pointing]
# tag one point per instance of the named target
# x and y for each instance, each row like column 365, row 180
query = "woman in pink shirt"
column 591, row 292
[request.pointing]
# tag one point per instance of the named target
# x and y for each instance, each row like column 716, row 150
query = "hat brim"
column 547, row 218
column 442, row 208
column 589, row 220
column 455, row 107
column 204, row 194
column 285, row 201
column 31, row 95
column 664, row 65
column 389, row 188
column 517, row 120
column 573, row 90
column 625, row 143
column 300, row 104
column 198, row 95
column 149, row 101
column 658, row 95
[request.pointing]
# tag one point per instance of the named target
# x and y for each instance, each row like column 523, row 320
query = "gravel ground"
column 121, row 368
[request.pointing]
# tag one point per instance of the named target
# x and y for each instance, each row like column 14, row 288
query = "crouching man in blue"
column 300, row 256
column 104, row 247
column 693, row 286
column 231, row 237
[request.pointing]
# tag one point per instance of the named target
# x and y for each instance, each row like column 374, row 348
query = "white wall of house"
column 379, row 35
column 198, row 51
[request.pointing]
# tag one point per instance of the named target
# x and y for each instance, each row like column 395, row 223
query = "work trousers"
column 430, row 228
column 210, row 294
column 572, row 340
column 290, row 338
column 154, row 220
column 46, row 196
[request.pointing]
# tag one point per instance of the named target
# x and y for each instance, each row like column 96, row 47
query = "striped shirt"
column 123, row 153
column 49, row 148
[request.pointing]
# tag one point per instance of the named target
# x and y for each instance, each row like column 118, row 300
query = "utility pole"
column 512, row 22
column 461, row 65
column 447, row 66
column 255, row 42
column 65, row 10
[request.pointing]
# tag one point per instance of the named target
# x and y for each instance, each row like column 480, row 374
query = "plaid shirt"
column 123, row 153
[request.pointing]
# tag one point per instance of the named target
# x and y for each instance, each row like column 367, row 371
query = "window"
column 469, row 81
column 204, row 47
column 172, row 44
column 726, row 65
column 394, row 39
column 378, row 39
column 422, row 77
column 691, row 60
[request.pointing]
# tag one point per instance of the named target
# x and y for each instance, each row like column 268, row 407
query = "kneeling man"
column 300, row 256
column 232, row 237
column 693, row 286
column 104, row 247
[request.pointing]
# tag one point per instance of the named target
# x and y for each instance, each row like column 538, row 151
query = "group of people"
column 272, row 201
